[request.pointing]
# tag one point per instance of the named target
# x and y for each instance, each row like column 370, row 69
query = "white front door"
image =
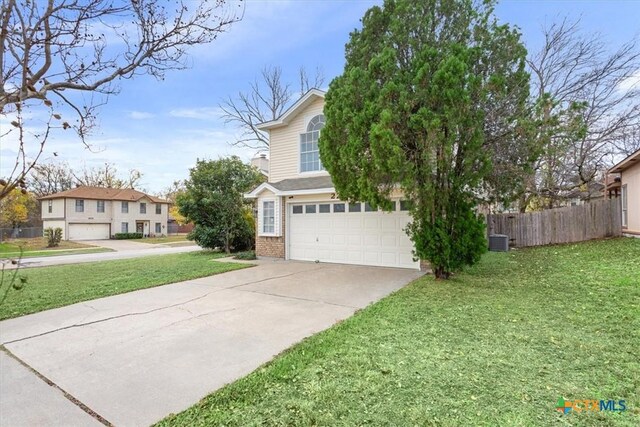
column 350, row 234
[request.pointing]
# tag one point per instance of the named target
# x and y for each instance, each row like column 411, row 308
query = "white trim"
column 277, row 217
column 289, row 114
column 266, row 186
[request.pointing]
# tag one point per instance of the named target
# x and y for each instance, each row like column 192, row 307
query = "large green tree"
column 214, row 202
column 431, row 92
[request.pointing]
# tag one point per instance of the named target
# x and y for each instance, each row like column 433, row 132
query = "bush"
column 53, row 236
column 124, row 236
column 247, row 255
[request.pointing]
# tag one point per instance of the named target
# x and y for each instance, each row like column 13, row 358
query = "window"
column 297, row 209
column 158, row 228
column 310, row 209
column 143, row 208
column 309, row 153
column 338, row 207
column 100, row 206
column 355, row 207
column 368, row 208
column 158, row 209
column 125, row 207
column 50, row 208
column 405, row 205
column 624, row 197
column 79, row 205
column 268, row 217
column 124, row 227
column 325, row 208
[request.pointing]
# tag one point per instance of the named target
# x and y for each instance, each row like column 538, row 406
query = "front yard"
column 496, row 345
column 37, row 247
column 51, row 287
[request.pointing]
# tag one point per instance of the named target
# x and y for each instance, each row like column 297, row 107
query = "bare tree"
column 56, row 56
column 266, row 100
column 48, row 178
column 106, row 176
column 584, row 105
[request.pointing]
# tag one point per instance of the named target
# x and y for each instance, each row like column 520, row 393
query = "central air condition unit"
column 499, row 243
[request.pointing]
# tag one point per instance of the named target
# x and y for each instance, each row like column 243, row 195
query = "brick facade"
column 272, row 246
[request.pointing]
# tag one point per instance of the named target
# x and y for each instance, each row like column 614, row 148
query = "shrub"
column 53, row 236
column 247, row 255
column 124, row 236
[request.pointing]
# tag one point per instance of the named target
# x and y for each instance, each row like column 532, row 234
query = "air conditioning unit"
column 499, row 243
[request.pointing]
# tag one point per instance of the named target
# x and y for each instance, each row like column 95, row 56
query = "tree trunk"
column 441, row 273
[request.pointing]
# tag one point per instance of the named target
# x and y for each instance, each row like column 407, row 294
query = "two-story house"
column 92, row 213
column 299, row 216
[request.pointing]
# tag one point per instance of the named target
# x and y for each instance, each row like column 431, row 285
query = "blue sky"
column 162, row 127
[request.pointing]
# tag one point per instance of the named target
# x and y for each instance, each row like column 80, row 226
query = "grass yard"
column 50, row 287
column 497, row 345
column 166, row 239
column 37, row 247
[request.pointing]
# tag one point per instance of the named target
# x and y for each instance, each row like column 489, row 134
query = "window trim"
column 158, row 209
column 307, row 131
column 98, row 206
column 158, row 227
column 143, row 205
column 624, row 208
column 261, row 217
column 50, row 206
column 81, row 205
column 124, row 207
column 124, row 225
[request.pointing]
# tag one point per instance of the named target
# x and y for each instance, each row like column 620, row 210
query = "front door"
column 139, row 227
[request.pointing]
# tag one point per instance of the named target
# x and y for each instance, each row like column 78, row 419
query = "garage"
column 88, row 231
column 349, row 233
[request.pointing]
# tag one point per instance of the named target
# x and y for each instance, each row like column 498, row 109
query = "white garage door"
column 88, row 231
column 349, row 234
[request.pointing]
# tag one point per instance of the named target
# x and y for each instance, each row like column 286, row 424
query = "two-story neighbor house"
column 299, row 216
column 88, row 213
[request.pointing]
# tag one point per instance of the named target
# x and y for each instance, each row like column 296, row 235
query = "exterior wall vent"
column 499, row 243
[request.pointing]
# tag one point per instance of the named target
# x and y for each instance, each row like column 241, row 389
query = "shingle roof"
column 310, row 183
column 101, row 193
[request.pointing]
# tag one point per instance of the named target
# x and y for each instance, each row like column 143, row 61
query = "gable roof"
column 101, row 193
column 287, row 116
column 295, row 186
column 628, row 162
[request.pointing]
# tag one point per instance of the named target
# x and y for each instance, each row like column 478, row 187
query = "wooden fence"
column 594, row 220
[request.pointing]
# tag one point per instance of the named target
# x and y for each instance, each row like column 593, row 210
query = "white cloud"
column 631, row 82
column 140, row 115
column 201, row 113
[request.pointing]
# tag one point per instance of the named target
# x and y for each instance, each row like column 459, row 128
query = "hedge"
column 123, row 236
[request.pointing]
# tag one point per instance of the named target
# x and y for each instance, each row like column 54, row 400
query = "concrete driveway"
column 132, row 359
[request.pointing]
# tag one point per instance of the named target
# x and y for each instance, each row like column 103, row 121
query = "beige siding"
column 631, row 178
column 284, row 152
column 48, row 223
column 57, row 209
column 90, row 213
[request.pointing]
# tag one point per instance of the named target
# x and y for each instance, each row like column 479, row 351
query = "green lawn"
column 50, row 287
column 37, row 247
column 165, row 239
column 497, row 345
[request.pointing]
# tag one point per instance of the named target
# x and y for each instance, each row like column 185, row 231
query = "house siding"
column 631, row 178
column 64, row 213
column 284, row 149
column 274, row 247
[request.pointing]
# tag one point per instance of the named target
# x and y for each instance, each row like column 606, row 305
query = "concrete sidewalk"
column 137, row 357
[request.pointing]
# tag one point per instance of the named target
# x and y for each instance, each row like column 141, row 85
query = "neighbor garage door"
column 350, row 234
column 88, row 231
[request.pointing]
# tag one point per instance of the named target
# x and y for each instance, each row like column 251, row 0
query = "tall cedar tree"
column 214, row 202
column 410, row 111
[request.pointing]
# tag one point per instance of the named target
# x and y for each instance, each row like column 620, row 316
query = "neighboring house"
column 88, row 213
column 584, row 194
column 298, row 214
column 628, row 188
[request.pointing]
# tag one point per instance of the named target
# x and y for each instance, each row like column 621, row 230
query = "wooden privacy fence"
column 592, row 220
